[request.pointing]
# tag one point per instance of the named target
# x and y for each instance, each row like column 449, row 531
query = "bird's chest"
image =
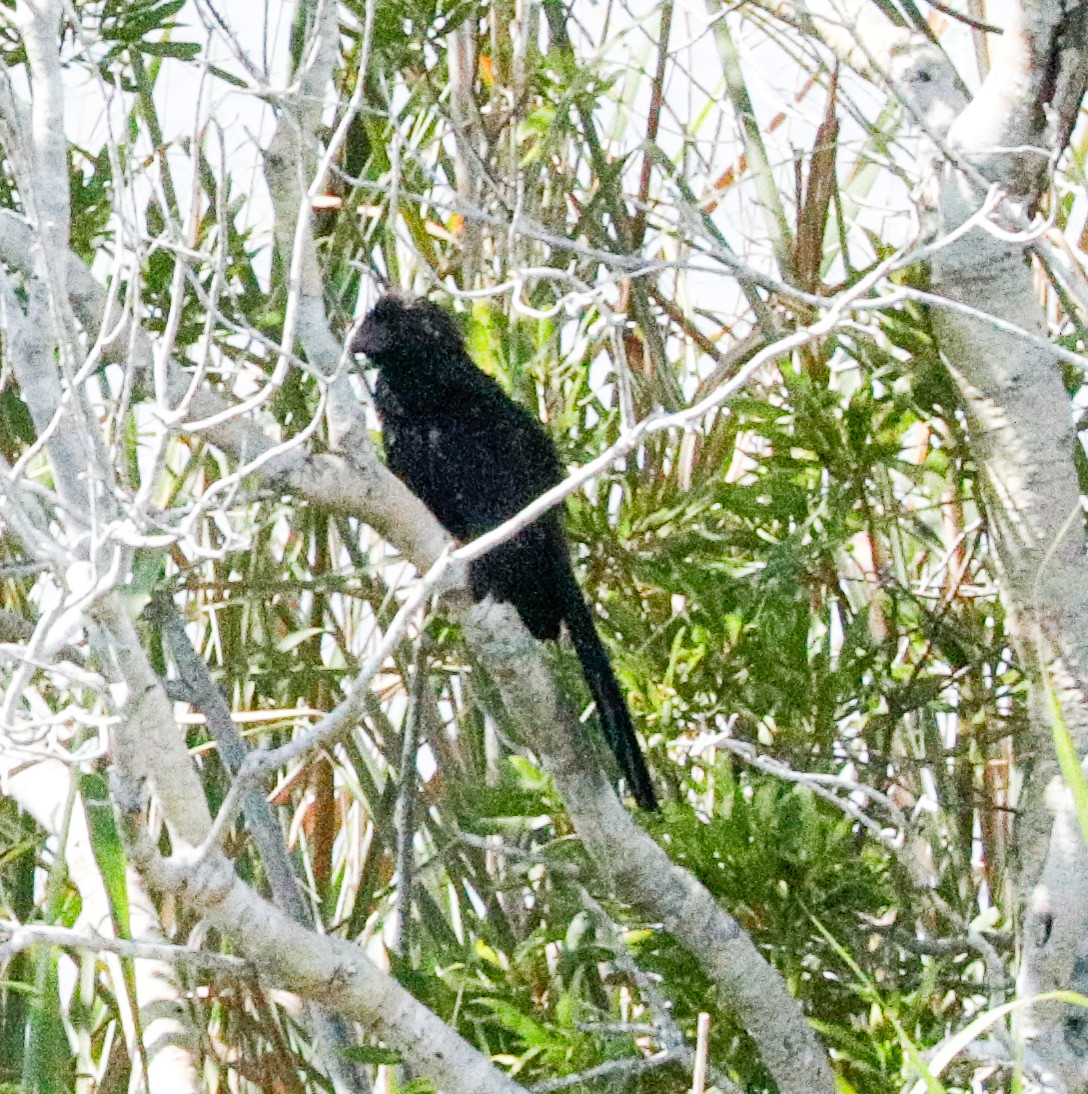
column 447, row 461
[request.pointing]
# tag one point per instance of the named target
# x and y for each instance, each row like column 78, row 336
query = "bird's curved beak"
column 370, row 338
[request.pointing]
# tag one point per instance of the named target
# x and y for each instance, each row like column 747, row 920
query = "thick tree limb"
column 1022, row 433
column 323, row 968
column 639, row 871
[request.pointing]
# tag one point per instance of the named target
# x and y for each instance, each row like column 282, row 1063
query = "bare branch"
column 22, row 936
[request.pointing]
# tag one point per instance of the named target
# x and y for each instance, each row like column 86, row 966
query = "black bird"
column 476, row 458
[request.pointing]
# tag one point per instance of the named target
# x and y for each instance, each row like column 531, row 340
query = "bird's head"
column 401, row 335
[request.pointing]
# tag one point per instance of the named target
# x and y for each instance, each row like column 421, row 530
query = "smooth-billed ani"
column 476, row 458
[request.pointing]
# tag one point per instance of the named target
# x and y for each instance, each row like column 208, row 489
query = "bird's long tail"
column 619, row 730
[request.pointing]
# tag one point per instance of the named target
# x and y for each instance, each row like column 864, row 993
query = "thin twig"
column 21, row 937
column 611, row 1070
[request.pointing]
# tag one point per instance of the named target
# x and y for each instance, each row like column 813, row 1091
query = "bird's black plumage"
column 476, row 458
